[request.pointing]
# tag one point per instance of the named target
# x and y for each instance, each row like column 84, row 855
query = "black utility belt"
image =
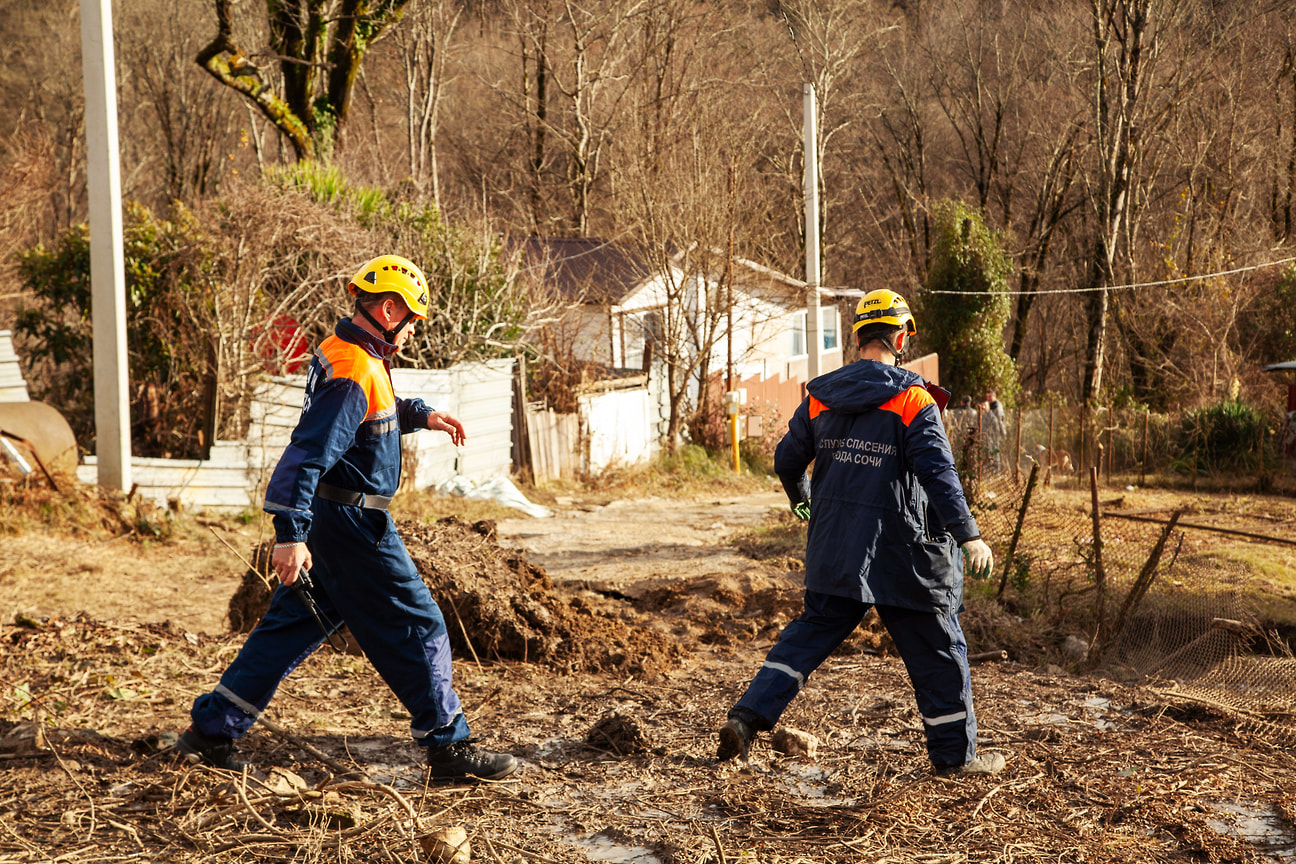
column 338, row 495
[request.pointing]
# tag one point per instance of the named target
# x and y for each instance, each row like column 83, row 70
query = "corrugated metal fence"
column 478, row 394
column 12, row 386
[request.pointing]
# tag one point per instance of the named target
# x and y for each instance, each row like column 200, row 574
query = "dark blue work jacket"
column 887, row 511
column 349, row 431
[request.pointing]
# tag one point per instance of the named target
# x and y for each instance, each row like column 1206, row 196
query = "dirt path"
column 187, row 581
column 636, row 540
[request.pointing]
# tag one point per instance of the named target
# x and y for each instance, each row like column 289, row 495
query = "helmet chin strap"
column 895, row 344
column 388, row 335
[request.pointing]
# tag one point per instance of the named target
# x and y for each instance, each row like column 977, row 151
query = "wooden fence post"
column 1048, row 471
column 1100, row 575
column 1021, row 518
column 1017, row 448
column 1111, row 451
column 1143, row 463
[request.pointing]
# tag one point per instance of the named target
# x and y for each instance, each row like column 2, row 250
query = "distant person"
column 329, row 495
column 883, row 469
column 995, row 409
column 995, row 427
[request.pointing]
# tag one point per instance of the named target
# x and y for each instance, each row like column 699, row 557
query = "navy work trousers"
column 931, row 644
column 365, row 578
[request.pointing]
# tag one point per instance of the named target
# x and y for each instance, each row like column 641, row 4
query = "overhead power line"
column 1157, row 284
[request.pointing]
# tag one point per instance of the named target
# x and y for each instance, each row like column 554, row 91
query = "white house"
column 620, row 302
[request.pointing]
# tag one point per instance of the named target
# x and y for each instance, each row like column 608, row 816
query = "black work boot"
column 735, row 739
column 463, row 761
column 208, row 750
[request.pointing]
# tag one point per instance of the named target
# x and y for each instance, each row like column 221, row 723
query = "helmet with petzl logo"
column 884, row 315
column 392, row 273
column 885, row 310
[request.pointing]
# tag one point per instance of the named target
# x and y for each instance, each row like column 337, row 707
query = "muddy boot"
column 463, row 761
column 735, row 740
column 217, row 752
column 983, row 764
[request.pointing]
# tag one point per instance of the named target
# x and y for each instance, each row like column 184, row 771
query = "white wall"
column 12, row 386
column 479, row 395
column 619, row 428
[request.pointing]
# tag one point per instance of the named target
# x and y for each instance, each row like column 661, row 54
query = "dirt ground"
column 602, row 647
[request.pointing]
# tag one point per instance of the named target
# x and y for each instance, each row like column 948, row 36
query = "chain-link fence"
column 1125, row 442
column 1146, row 595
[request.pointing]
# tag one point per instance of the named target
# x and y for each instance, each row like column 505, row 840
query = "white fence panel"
column 620, row 428
column 219, row 483
column 480, row 395
column 12, row 386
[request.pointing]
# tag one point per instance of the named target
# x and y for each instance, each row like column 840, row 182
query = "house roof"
column 606, row 272
column 587, row 269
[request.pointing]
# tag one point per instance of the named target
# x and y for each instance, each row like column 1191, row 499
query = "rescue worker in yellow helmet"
column 328, row 496
column 887, row 517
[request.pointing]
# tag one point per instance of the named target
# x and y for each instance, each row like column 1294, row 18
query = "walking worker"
column 887, row 517
column 328, row 496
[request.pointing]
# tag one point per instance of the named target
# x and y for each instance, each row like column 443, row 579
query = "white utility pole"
column 107, row 264
column 814, row 341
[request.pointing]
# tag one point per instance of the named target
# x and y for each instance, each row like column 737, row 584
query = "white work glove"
column 978, row 560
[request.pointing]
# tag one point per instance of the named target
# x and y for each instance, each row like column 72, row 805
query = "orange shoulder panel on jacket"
column 347, row 360
column 909, row 403
column 816, row 407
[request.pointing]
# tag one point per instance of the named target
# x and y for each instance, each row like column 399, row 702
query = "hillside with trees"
column 269, row 147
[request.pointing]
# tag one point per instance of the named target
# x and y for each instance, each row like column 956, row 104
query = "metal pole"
column 1143, row 463
column 107, row 263
column 1048, row 475
column 1017, row 448
column 813, row 339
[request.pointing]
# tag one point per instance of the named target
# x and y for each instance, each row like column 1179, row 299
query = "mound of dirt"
column 728, row 609
column 621, row 734
column 252, row 598
column 497, row 605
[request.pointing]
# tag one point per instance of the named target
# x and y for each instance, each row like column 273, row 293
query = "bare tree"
column 424, row 45
column 574, row 79
column 316, row 47
column 172, row 117
column 677, row 184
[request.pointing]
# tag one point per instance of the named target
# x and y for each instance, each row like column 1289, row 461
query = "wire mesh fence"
column 1145, row 595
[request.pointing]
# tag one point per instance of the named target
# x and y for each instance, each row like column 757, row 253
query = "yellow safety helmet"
column 884, row 307
column 393, row 273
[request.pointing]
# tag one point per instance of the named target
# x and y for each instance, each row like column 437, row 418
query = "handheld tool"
column 303, row 585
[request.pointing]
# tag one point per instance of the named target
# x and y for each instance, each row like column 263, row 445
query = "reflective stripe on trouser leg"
column 804, row 644
column 363, row 565
column 285, row 636
column 934, row 652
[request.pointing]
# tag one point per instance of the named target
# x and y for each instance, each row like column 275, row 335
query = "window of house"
column 828, row 320
column 828, row 325
column 798, row 334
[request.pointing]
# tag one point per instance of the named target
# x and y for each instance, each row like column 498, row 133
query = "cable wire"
column 1157, row 284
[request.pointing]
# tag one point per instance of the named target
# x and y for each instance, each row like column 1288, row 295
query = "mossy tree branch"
column 319, row 45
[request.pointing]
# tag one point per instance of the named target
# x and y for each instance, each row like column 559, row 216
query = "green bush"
column 967, row 328
column 168, row 288
column 690, row 460
column 1221, row 437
